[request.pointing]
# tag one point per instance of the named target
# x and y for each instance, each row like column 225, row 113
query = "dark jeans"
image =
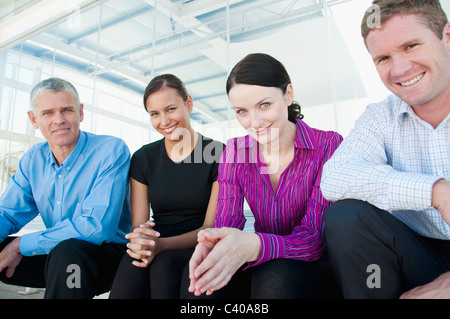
column 276, row 279
column 361, row 236
column 73, row 269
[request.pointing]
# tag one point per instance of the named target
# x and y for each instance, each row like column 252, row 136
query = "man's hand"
column 437, row 289
column 441, row 198
column 10, row 257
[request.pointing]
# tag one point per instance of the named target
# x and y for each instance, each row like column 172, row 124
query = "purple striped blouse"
column 288, row 221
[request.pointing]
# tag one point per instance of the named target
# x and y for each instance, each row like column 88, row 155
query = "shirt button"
column 33, row 253
column 58, row 202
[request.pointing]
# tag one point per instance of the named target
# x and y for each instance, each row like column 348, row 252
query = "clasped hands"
column 220, row 252
column 143, row 244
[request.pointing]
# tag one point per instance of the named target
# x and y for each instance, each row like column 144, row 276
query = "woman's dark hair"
column 263, row 70
column 162, row 81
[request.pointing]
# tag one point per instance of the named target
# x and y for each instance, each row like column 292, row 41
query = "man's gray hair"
column 53, row 85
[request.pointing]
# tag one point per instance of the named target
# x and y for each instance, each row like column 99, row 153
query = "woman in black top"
column 177, row 177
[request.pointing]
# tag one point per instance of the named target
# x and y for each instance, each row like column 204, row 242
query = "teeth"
column 169, row 130
column 63, row 130
column 262, row 130
column 411, row 82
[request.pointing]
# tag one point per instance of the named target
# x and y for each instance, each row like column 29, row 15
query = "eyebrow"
column 165, row 108
column 263, row 100
column 403, row 45
column 257, row 103
column 64, row 108
column 376, row 58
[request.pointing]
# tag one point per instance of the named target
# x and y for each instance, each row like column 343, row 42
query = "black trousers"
column 73, row 269
column 160, row 280
column 276, row 279
column 167, row 277
column 375, row 255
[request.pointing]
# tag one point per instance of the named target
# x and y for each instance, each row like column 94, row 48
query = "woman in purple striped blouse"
column 277, row 169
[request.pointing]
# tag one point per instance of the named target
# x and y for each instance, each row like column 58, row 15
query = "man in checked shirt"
column 390, row 178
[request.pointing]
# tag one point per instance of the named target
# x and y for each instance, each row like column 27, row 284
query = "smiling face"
column 412, row 61
column 262, row 111
column 57, row 115
column 169, row 113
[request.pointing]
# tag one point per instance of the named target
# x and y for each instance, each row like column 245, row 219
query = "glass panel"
column 5, row 108
column 20, row 108
column 9, row 72
column 111, row 50
column 110, row 102
column 25, row 75
column 10, row 154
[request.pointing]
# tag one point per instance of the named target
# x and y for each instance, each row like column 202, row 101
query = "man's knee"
column 72, row 270
column 345, row 213
column 72, row 253
column 70, row 250
column 346, row 222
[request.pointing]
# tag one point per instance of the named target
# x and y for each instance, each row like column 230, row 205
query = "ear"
column 190, row 103
column 289, row 94
column 446, row 36
column 81, row 112
column 32, row 118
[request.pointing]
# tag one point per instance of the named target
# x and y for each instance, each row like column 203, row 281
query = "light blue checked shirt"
column 391, row 159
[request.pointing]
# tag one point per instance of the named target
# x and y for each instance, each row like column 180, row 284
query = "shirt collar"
column 405, row 109
column 73, row 156
column 304, row 138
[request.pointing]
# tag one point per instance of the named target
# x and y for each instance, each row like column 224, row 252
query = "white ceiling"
column 128, row 42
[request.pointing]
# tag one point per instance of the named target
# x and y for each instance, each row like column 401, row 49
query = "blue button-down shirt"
column 391, row 159
column 84, row 198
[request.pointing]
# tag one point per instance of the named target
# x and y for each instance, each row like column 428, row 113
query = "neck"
column 182, row 147
column 435, row 111
column 61, row 153
column 283, row 144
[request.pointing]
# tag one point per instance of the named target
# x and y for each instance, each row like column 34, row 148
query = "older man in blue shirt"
column 77, row 182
